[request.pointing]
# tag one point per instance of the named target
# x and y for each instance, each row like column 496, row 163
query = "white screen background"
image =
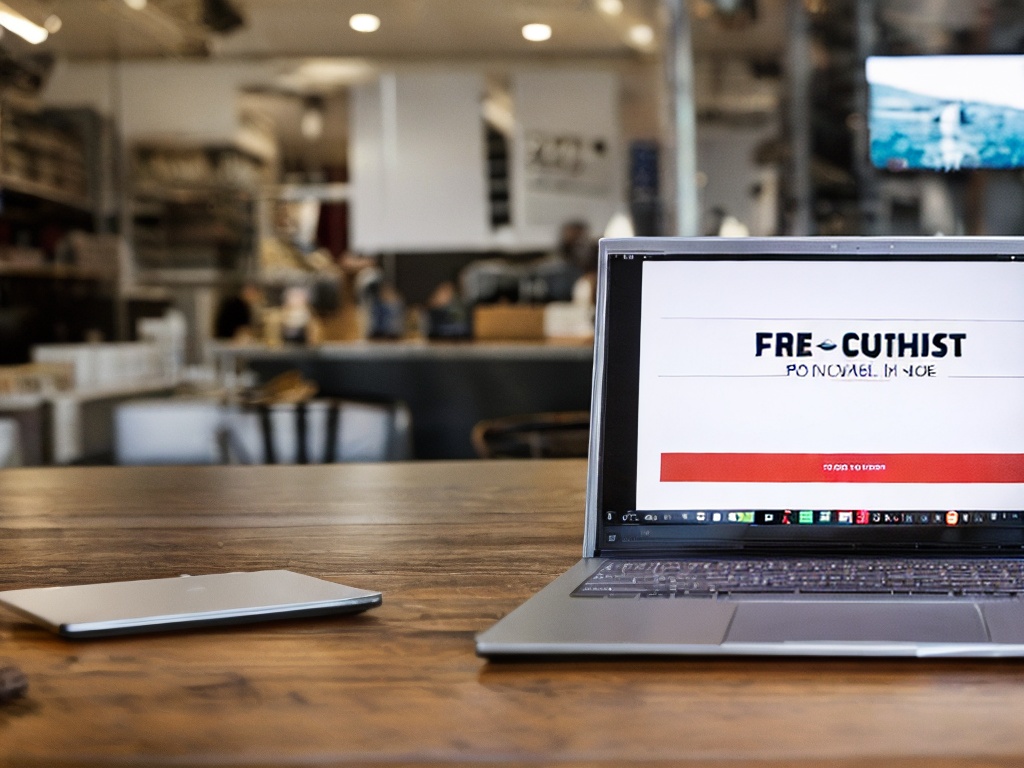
column 703, row 390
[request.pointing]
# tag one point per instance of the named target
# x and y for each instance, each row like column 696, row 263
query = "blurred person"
column 554, row 277
column 240, row 316
column 294, row 322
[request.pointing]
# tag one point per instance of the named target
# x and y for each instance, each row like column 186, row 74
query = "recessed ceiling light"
column 311, row 124
column 610, row 7
column 641, row 35
column 537, row 33
column 364, row 22
column 136, row 5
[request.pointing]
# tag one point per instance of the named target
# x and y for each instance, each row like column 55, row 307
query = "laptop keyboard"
column 882, row 576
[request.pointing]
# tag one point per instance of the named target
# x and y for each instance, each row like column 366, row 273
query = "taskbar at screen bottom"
column 815, row 517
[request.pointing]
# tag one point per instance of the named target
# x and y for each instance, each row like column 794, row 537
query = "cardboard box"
column 508, row 322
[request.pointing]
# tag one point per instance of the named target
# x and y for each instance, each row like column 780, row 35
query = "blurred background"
column 213, row 207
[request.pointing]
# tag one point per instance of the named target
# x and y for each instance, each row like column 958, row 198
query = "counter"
column 448, row 386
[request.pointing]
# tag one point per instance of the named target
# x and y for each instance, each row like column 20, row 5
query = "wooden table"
column 453, row 546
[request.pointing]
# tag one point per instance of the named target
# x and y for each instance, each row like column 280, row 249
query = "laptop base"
column 553, row 623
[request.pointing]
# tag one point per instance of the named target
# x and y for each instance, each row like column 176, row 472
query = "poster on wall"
column 568, row 163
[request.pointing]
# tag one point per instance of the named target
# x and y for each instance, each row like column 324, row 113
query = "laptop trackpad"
column 779, row 622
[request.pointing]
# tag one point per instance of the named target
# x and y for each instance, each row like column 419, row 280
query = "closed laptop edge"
column 152, row 605
column 918, row 323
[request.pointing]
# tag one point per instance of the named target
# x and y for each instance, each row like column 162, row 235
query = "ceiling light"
column 312, row 123
column 136, row 5
column 641, row 35
column 22, row 27
column 364, row 22
column 537, row 33
column 610, row 7
column 326, row 74
column 53, row 24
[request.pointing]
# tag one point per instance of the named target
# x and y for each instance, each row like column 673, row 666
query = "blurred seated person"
column 554, row 277
column 240, row 316
column 446, row 315
column 294, row 322
column 382, row 308
column 576, row 246
column 490, row 281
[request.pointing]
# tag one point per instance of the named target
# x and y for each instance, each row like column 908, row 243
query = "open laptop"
column 798, row 447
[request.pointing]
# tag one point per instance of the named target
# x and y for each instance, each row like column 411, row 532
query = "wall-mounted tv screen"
column 946, row 113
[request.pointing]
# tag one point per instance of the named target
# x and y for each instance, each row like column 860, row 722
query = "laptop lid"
column 785, row 396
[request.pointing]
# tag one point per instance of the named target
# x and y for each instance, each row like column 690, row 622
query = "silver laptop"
column 798, row 447
column 150, row 605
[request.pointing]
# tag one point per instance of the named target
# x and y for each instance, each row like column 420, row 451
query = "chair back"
column 560, row 434
column 318, row 431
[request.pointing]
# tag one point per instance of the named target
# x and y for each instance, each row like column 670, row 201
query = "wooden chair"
column 561, row 434
column 318, row 432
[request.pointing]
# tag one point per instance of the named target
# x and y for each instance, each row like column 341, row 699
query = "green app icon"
column 806, row 516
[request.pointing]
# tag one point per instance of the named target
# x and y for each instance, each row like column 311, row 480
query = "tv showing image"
column 946, row 113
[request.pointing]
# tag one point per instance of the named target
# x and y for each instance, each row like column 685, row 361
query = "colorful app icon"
column 863, row 517
column 845, row 517
column 825, row 516
column 806, row 516
column 952, row 518
column 746, row 517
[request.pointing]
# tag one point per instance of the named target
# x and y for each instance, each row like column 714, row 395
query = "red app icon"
column 952, row 518
column 863, row 517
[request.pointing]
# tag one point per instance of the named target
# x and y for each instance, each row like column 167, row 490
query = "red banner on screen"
column 842, row 468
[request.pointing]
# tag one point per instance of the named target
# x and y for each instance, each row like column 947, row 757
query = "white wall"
column 194, row 102
column 727, row 156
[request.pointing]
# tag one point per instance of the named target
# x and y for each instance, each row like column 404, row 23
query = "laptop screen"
column 772, row 399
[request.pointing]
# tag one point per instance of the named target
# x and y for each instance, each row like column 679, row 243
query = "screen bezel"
column 612, row 470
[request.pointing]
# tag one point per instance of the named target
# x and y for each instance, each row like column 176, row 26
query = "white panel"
column 567, row 156
column 418, row 174
column 366, row 167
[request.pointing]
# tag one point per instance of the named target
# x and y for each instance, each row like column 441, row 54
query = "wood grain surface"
column 453, row 546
